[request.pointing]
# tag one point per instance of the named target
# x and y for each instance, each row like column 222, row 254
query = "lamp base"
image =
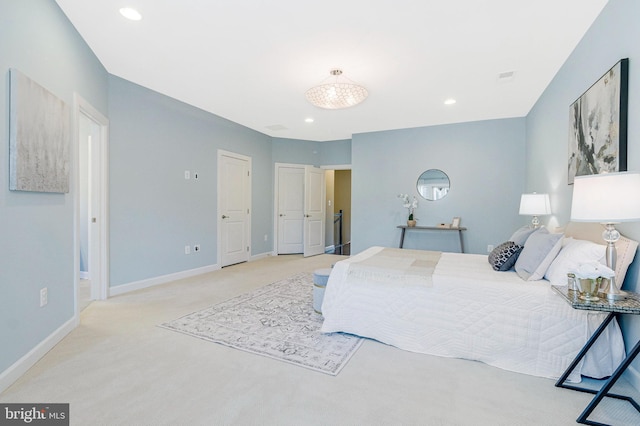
column 619, row 295
column 609, row 291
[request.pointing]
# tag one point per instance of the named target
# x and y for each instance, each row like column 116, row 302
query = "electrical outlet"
column 489, row 248
column 265, row 237
column 187, row 250
column 196, row 248
column 44, row 296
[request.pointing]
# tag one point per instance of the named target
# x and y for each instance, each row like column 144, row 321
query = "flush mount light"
column 130, row 13
column 308, row 120
column 450, row 101
column 336, row 92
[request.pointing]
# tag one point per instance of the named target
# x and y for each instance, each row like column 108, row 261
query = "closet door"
column 290, row 209
column 314, row 195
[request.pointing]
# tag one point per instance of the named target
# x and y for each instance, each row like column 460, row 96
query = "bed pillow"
column 520, row 236
column 503, row 257
column 538, row 253
column 573, row 253
column 625, row 247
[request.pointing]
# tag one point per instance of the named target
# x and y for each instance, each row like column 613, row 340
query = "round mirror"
column 433, row 184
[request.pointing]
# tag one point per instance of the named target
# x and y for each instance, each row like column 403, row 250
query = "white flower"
column 408, row 203
column 593, row 270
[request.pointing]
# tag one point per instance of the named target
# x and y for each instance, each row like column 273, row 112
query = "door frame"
column 221, row 153
column 334, row 167
column 276, row 197
column 99, row 281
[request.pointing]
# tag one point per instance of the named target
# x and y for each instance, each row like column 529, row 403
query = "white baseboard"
column 150, row 282
column 13, row 373
column 260, row 256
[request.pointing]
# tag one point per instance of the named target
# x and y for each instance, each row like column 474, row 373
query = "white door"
column 290, row 209
column 93, row 246
column 234, row 198
column 314, row 195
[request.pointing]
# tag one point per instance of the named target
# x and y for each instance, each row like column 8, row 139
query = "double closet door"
column 300, row 210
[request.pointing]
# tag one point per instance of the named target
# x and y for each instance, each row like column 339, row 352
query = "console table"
column 630, row 305
column 431, row 228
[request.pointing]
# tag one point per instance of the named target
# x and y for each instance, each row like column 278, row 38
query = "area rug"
column 277, row 321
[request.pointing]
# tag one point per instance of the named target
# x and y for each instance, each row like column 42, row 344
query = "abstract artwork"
column 598, row 125
column 38, row 138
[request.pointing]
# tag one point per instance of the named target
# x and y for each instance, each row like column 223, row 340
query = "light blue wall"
column 484, row 161
column 335, row 153
column 155, row 212
column 297, row 151
column 37, row 232
column 613, row 36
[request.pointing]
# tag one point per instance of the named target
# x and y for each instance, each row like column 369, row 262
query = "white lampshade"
column 535, row 204
column 606, row 198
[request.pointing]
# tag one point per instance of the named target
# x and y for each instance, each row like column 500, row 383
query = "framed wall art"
column 598, row 125
column 39, row 137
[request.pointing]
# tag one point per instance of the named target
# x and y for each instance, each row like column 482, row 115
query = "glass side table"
column 630, row 305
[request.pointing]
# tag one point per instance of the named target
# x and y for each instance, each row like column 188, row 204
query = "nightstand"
column 630, row 305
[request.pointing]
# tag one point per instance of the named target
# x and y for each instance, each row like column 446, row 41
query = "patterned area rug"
column 277, row 321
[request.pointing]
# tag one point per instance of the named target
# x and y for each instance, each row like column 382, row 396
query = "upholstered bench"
column 320, row 278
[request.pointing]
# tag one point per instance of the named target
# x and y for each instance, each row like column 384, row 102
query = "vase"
column 411, row 223
column 588, row 289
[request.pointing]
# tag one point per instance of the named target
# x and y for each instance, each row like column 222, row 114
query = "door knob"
column 224, row 216
column 307, row 215
column 282, row 214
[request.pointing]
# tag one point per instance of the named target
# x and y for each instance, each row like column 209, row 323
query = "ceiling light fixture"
column 308, row 120
column 450, row 101
column 338, row 93
column 130, row 13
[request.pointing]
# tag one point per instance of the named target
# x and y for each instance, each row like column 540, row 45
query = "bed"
column 456, row 305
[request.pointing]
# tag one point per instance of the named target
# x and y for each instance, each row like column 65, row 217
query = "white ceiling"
column 251, row 61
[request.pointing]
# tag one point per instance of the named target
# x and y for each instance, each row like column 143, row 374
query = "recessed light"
column 130, row 13
column 308, row 120
column 450, row 101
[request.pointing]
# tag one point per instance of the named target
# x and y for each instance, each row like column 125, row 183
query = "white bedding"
column 467, row 310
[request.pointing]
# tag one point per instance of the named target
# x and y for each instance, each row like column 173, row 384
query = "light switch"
column 187, row 174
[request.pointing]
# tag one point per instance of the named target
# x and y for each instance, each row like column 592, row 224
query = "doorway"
column 338, row 233
column 92, row 195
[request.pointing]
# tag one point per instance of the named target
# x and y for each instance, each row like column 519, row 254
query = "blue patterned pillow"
column 503, row 257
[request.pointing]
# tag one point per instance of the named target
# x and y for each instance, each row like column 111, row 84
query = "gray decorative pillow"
column 522, row 234
column 503, row 257
column 539, row 251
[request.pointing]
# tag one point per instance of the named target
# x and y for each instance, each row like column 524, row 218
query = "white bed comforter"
column 467, row 310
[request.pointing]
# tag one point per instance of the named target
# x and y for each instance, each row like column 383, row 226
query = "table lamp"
column 535, row 205
column 608, row 198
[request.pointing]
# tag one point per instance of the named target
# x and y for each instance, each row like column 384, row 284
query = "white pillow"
column 573, row 253
column 539, row 251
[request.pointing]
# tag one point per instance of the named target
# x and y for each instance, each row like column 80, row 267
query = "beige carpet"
column 119, row 368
